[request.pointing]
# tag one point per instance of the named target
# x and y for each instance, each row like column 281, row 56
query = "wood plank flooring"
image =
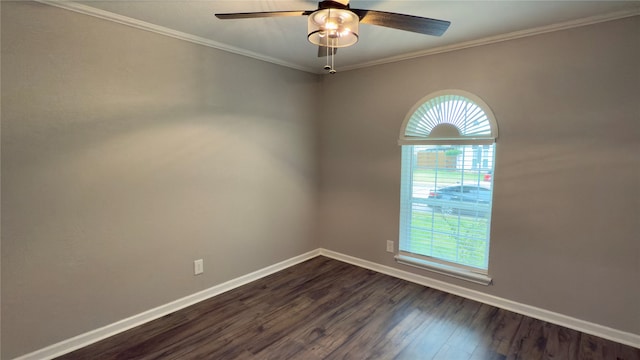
column 327, row 309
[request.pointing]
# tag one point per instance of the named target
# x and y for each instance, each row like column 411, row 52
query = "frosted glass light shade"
column 333, row 28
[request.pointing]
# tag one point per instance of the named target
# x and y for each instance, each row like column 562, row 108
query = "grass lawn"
column 451, row 237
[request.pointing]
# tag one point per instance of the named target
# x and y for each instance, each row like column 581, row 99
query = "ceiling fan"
column 334, row 24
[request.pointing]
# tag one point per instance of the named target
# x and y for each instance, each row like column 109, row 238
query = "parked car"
column 461, row 199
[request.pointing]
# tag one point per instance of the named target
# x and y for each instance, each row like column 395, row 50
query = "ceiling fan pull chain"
column 327, row 66
column 333, row 54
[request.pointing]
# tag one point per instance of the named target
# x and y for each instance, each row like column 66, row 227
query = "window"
column 448, row 158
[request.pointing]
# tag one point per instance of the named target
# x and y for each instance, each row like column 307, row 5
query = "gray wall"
column 565, row 218
column 125, row 156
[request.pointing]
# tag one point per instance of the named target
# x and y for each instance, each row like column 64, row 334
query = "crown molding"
column 500, row 38
column 143, row 25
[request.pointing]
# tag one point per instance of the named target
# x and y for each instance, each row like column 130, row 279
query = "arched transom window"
column 449, row 115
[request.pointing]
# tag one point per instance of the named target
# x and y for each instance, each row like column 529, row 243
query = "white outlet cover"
column 390, row 247
column 198, row 267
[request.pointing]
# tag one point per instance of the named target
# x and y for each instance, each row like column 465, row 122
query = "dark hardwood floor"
column 327, row 309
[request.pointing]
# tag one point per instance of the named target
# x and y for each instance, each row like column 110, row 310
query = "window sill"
column 468, row 275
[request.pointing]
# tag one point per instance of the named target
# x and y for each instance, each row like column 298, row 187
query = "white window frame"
column 426, row 125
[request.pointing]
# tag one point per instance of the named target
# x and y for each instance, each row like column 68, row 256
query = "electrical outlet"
column 198, row 267
column 390, row 247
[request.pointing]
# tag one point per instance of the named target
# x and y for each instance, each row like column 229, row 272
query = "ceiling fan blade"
column 411, row 23
column 322, row 51
column 264, row 14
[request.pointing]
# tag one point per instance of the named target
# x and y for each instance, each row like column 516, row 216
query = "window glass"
column 447, row 204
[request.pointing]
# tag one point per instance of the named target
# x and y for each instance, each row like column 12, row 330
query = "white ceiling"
column 283, row 40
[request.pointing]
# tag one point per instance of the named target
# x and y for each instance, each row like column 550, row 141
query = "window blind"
column 446, row 195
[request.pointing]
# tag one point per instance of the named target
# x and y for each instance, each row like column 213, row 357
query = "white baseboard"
column 524, row 309
column 93, row 336
column 104, row 332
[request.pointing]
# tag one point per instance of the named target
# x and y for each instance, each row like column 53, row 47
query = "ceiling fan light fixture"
column 333, row 28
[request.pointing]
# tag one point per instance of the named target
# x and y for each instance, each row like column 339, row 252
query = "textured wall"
column 565, row 217
column 125, row 156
